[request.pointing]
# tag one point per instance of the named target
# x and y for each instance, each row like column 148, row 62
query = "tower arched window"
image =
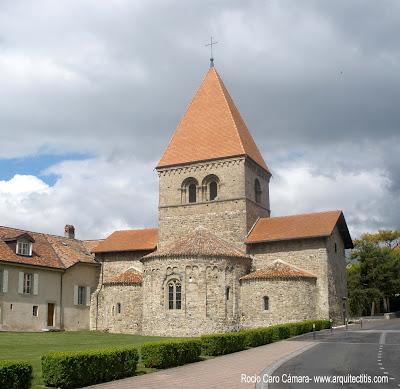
column 213, row 190
column 257, row 190
column 189, row 190
column 192, row 193
column 210, row 186
column 174, row 295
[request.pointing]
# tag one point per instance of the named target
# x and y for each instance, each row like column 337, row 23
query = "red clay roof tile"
column 129, row 277
column 311, row 225
column 211, row 128
column 278, row 269
column 129, row 240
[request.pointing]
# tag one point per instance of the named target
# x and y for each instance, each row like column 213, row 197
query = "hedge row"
column 77, row 369
column 172, row 353
column 15, row 375
column 219, row 344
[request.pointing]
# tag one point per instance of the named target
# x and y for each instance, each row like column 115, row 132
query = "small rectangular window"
column 118, row 307
column 35, row 310
column 28, row 280
column 335, row 248
column 81, row 295
column 266, row 303
column 227, row 290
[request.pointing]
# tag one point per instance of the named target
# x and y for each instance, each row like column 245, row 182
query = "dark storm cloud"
column 317, row 82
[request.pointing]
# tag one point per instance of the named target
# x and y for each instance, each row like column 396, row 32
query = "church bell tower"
column 212, row 173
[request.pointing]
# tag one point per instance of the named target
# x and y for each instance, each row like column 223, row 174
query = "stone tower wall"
column 230, row 216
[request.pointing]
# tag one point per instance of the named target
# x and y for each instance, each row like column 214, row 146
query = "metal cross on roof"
column 211, row 44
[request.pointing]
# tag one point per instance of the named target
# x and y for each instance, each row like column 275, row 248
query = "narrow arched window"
column 192, row 193
column 213, row 190
column 174, row 295
column 227, row 292
column 257, row 191
column 266, row 303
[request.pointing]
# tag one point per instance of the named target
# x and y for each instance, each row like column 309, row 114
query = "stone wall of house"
column 129, row 319
column 308, row 254
column 207, row 306
column 228, row 216
column 289, row 301
column 337, row 277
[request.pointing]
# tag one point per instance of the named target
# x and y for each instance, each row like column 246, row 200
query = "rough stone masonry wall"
column 116, row 263
column 308, row 254
column 337, row 277
column 230, row 216
column 205, row 307
column 112, row 264
column 289, row 301
column 129, row 320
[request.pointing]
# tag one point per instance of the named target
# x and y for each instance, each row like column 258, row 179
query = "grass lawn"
column 31, row 345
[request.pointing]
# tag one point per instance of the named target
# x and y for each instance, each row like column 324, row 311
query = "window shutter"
column 21, row 282
column 88, row 296
column 75, row 294
column 5, row 281
column 35, row 283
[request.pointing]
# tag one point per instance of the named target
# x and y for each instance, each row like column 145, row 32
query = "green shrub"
column 219, row 344
column 77, row 369
column 258, row 336
column 171, row 353
column 15, row 375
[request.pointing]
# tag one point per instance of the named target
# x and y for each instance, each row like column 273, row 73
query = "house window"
column 35, row 310
column 113, row 310
column 118, row 307
column 335, row 247
column 81, row 295
column 24, row 248
column 257, row 191
column 266, row 303
column 28, row 280
column 227, row 291
column 213, row 190
column 1, row 280
column 174, row 295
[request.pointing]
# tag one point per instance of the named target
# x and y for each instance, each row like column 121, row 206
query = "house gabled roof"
column 278, row 270
column 48, row 250
column 210, row 129
column 311, row 225
column 129, row 240
column 198, row 243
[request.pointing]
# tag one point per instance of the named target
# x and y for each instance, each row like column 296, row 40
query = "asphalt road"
column 373, row 351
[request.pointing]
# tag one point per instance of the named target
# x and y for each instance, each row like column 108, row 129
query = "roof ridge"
column 301, row 214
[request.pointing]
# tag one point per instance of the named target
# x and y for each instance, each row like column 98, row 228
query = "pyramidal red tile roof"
column 211, row 128
column 310, row 225
column 199, row 243
column 129, row 240
column 278, row 269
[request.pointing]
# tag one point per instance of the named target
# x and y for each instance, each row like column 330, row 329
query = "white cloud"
column 98, row 196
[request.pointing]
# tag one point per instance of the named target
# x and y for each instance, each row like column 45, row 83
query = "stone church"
column 218, row 261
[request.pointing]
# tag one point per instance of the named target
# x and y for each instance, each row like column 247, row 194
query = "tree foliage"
column 374, row 277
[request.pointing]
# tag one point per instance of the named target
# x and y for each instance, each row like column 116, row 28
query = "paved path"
column 373, row 350
column 220, row 372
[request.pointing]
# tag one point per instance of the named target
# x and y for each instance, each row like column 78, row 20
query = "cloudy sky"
column 92, row 90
